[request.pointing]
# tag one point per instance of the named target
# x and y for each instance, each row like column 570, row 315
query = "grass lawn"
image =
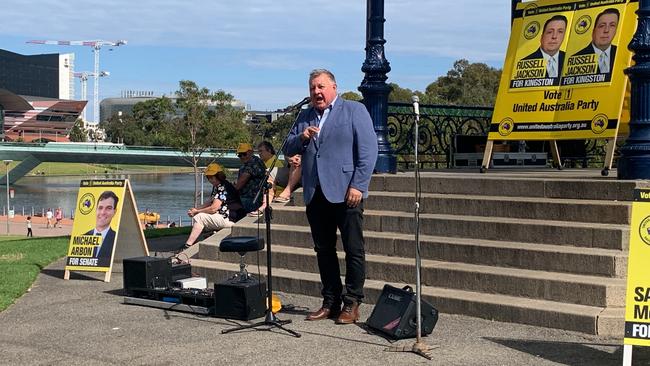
column 21, row 260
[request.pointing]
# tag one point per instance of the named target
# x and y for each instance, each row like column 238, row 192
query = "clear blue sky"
column 261, row 51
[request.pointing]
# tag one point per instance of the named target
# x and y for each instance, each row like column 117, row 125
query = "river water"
column 170, row 195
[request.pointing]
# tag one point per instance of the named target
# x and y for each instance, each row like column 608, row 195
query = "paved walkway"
column 83, row 321
column 18, row 226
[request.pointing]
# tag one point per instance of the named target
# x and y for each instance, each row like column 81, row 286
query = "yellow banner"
column 563, row 74
column 96, row 222
column 637, row 299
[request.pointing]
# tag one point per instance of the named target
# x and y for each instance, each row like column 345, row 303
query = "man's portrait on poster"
column 105, row 210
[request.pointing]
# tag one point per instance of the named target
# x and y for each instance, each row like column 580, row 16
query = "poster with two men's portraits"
column 563, row 74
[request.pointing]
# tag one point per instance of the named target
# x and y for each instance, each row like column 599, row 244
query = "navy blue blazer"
column 106, row 250
column 343, row 155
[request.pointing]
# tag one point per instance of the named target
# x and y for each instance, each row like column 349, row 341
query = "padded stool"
column 242, row 245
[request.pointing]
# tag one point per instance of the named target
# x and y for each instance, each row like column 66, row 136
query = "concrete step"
column 592, row 235
column 596, row 211
column 543, row 313
column 570, row 288
column 555, row 258
column 583, row 184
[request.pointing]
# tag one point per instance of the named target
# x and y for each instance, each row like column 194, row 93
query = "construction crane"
column 83, row 77
column 96, row 45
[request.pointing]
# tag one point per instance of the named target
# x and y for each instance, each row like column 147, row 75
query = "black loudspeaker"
column 180, row 271
column 395, row 314
column 240, row 300
column 146, row 272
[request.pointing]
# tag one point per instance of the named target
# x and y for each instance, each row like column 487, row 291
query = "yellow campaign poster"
column 637, row 299
column 563, row 74
column 96, row 223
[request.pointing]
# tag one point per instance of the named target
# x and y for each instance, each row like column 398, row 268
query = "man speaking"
column 338, row 144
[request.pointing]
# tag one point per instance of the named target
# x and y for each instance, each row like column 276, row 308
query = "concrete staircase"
column 544, row 248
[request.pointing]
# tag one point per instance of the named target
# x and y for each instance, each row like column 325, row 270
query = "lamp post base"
column 633, row 167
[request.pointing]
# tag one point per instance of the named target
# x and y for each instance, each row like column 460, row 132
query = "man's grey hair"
column 318, row 72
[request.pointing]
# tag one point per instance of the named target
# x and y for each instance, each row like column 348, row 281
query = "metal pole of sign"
column 202, row 169
column 627, row 355
column 7, row 162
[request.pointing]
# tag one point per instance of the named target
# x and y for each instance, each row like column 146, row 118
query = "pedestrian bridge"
column 31, row 154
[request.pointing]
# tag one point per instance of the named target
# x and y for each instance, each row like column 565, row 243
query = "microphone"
column 416, row 105
column 298, row 105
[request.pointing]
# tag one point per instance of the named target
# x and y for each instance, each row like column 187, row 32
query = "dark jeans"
column 324, row 217
column 249, row 204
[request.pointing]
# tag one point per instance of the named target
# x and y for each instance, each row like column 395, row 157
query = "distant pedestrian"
column 29, row 227
column 49, row 215
column 58, row 216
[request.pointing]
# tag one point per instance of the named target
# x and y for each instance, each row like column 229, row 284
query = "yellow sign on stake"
column 105, row 229
column 637, row 299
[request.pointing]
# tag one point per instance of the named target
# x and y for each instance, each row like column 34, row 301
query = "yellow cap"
column 244, row 147
column 213, row 169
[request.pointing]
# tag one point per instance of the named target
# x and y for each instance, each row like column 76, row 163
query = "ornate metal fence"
column 440, row 125
column 438, row 128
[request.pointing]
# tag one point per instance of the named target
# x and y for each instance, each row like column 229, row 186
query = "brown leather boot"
column 349, row 314
column 324, row 313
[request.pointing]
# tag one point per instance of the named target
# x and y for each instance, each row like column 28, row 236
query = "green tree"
column 276, row 131
column 350, row 95
column 78, row 133
column 200, row 127
column 474, row 84
column 144, row 127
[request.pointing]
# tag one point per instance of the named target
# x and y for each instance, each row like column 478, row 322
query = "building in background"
column 39, row 96
column 129, row 98
column 47, row 119
column 45, row 75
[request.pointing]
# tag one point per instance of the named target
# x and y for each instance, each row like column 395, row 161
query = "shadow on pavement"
column 575, row 353
column 58, row 273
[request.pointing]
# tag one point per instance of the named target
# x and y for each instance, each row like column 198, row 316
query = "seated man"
column 293, row 181
column 223, row 210
column 279, row 174
column 251, row 175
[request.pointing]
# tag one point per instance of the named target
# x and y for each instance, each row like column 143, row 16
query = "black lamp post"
column 374, row 88
column 635, row 153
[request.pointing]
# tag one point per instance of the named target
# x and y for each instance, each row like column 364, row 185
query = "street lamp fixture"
column 7, row 162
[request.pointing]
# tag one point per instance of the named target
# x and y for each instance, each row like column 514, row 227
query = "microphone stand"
column 419, row 347
column 270, row 319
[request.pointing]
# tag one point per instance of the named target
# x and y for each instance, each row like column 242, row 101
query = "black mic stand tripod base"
column 270, row 320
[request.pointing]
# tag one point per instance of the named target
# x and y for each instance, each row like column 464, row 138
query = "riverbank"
column 83, row 169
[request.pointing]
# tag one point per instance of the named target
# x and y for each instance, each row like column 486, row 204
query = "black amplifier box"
column 395, row 314
column 146, row 272
column 240, row 300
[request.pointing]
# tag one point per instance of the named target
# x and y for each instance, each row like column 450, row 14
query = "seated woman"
column 223, row 210
column 251, row 175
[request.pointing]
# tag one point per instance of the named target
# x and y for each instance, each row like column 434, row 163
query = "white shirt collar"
column 599, row 52
column 102, row 233
column 546, row 56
